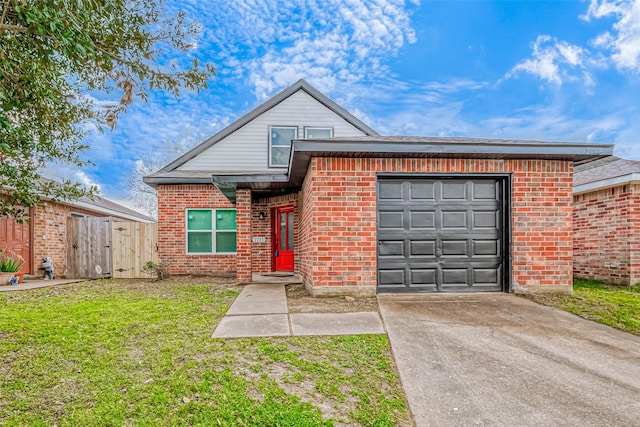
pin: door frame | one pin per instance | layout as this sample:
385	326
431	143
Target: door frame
506	183
275	216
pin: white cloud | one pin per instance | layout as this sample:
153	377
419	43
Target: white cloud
554	62
85	180
557	61
273	43
63	173
624	39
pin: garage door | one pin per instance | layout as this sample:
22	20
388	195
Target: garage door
440	234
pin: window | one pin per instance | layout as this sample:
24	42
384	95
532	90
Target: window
280	138
312	133
211	231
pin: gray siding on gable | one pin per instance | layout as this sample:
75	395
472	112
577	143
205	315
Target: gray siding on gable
247	148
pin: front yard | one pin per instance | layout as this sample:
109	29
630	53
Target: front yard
140	353
616	306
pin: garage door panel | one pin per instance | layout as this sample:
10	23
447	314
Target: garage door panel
456	248
454	190
486	276
390	190
455	276
391	219
422	219
422	248
486	247
454	219
485	190
393	248
394	278
422	190
440	234
485	219
425	276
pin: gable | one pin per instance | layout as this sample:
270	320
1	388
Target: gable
247	148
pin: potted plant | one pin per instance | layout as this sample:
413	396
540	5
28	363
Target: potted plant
10	264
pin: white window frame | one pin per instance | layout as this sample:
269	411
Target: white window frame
307	128
213	231
271	165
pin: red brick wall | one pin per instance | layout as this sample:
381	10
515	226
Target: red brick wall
244	235
339	217
606	238
173	200
50	236
306	251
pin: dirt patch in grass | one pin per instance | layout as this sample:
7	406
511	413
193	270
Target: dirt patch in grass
299	301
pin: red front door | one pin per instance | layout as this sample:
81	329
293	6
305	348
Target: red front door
283	238
17	237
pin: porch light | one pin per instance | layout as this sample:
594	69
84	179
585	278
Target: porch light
261	216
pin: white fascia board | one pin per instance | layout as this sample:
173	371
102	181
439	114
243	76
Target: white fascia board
632	178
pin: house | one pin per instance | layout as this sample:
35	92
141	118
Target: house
45	235
300	184
606	220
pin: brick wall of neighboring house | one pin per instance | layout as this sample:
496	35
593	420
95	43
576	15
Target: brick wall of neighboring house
338	218
50	235
173	201
606	235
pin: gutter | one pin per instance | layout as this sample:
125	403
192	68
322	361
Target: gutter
632	178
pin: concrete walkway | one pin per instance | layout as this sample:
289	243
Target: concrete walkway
497	359
261	311
35	284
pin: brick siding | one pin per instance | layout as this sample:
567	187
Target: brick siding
606	235
338	217
335	221
173	201
244	235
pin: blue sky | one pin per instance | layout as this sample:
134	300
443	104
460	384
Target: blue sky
547	70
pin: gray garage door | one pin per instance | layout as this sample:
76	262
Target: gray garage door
440	234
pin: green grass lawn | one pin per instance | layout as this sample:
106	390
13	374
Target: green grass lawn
140	353
617	306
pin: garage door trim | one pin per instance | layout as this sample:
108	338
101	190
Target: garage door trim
504	182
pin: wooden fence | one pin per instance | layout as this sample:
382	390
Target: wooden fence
107	247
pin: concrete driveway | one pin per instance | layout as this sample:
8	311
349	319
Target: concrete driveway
497	359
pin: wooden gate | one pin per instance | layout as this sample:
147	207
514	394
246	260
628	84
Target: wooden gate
133	245
106	247
89	247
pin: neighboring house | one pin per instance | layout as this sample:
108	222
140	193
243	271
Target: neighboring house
299	184
46	232
606	221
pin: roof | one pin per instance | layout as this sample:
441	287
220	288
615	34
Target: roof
261	109
104	206
405	146
607	172
109	208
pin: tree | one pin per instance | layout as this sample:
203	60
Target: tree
53	53
144	196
